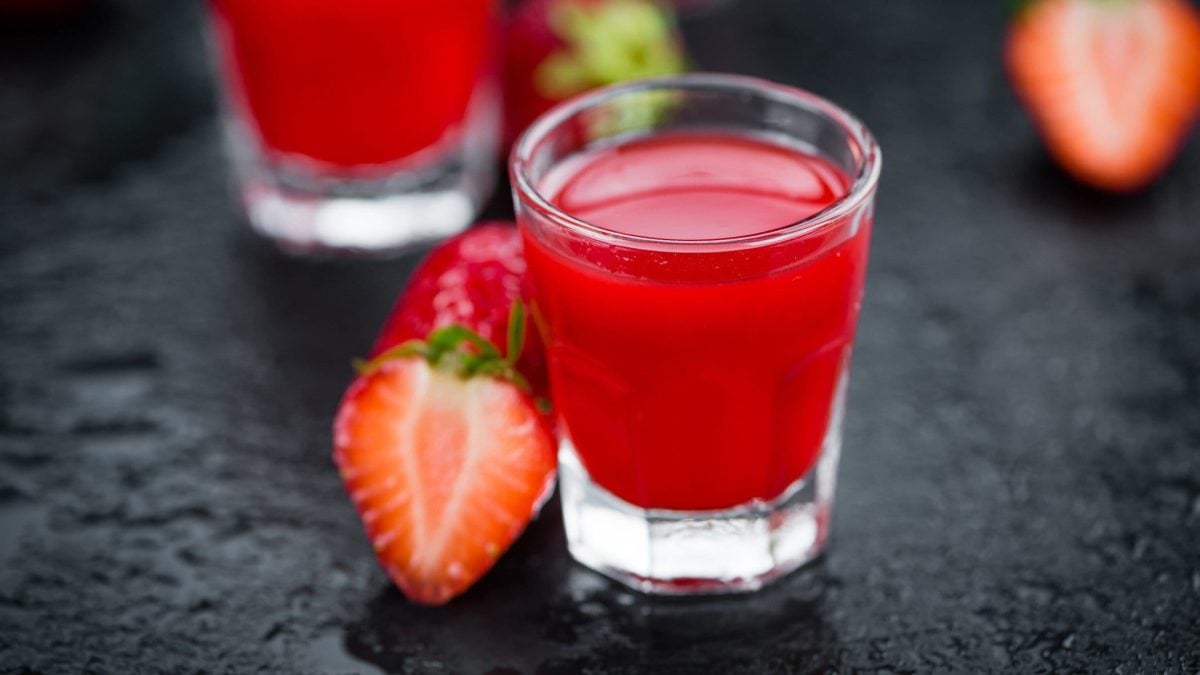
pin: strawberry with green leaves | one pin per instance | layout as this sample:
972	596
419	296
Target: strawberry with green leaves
1113	85
445	455
556	49
472	280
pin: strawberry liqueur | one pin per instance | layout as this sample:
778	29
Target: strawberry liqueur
341	88
698	388
698	284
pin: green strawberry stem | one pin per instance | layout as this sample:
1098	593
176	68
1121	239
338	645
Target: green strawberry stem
463	352
608	42
516	331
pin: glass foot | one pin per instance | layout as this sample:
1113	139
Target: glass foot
668	552
354	219
306	209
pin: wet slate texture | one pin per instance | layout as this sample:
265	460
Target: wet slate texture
1020	490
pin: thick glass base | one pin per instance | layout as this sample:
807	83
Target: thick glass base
696	552
309	210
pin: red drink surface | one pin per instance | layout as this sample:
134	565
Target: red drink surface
700	378
353	82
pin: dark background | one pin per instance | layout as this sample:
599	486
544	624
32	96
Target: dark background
1020	489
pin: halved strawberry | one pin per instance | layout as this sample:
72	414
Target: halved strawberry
1113	85
471	280
445	456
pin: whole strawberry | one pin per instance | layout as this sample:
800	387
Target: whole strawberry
558	48
1113	85
472	280
445	456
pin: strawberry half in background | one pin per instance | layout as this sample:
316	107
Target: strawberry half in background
1112	85
472	280
556	49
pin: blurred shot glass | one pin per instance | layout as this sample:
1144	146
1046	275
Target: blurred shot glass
358	127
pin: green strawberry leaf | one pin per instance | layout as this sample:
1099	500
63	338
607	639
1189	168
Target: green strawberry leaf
516	331
462	351
453	337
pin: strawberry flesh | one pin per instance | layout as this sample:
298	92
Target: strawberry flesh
445	472
1113	85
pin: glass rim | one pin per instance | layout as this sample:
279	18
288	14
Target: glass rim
867	157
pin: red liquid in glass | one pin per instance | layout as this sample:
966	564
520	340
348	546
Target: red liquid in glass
353	82
701	379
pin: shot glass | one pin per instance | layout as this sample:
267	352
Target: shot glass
358	126
698	247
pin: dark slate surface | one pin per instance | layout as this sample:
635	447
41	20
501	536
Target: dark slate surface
1020	489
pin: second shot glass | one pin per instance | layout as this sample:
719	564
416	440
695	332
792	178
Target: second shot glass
358	126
